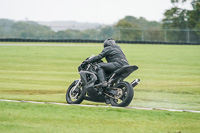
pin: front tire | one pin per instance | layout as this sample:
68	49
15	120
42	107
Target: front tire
75	95
126	97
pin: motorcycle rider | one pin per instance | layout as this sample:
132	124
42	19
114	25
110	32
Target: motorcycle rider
115	60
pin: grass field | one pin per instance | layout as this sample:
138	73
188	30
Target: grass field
170	75
170	78
36	118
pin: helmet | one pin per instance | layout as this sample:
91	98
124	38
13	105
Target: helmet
109	42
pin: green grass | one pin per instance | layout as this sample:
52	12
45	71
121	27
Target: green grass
45	118
170	74
170	78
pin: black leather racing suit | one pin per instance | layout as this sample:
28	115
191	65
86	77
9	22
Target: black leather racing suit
115	60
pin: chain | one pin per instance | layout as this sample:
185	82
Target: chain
109	95
116	96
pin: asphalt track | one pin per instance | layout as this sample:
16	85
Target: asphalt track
64	104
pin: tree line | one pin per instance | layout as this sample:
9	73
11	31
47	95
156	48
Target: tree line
178	25
125	29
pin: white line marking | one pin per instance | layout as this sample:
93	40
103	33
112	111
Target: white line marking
142	108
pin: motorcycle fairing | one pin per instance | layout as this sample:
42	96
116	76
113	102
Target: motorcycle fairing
88	83
92	95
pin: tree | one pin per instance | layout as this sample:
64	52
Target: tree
183	22
105	32
90	34
127	31
175	18
30	30
132	28
5	27
194	18
68	34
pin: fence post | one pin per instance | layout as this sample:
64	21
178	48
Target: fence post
50	33
188	32
4	27
165	35
96	33
119	35
188	35
142	35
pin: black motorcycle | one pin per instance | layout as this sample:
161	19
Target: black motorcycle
118	92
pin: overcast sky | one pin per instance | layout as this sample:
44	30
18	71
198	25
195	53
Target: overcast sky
95	11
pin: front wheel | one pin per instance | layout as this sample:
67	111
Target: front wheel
124	96
75	93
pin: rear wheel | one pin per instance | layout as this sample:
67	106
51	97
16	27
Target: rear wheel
124	96
75	93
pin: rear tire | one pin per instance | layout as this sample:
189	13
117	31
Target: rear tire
75	95
127	95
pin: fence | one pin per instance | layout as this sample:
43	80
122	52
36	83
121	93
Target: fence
158	35
101	33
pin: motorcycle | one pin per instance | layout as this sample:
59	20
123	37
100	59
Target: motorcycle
118	92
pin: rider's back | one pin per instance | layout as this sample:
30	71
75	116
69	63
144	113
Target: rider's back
115	54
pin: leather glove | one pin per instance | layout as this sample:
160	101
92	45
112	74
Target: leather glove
84	63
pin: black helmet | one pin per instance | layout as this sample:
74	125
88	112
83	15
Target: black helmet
109	42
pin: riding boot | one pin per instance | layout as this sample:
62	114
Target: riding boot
102	78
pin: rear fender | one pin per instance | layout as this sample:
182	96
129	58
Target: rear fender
122	73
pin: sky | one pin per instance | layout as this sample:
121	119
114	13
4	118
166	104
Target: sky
92	11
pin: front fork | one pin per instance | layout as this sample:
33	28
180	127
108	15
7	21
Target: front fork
74	92
76	84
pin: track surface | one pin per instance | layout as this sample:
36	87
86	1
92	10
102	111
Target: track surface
193	111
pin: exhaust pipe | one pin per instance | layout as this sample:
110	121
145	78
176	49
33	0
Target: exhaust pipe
135	82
